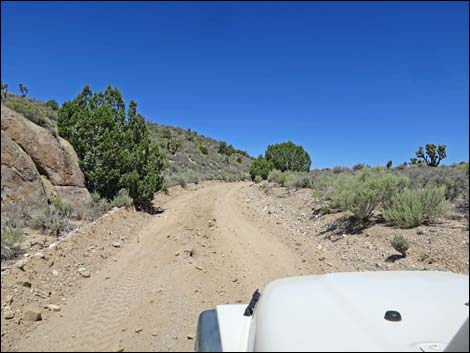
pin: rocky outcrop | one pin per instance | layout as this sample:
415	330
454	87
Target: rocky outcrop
37	165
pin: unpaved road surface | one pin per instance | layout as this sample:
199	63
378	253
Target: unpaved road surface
208	247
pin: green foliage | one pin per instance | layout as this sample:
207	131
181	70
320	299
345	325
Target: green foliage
225	149
10	239
297	180
98	205
63	208
433	155
258	179
122	199
454	179
291	179
410	208
243	153
464	166
29	112
203	149
114	150
260	166
389	164
52	104
33	110
358	166
401	167
55	218
166	133
339	169
173	146
281	179
288	156
400	244
365	192
239	160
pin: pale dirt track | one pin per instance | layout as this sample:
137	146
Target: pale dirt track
151	287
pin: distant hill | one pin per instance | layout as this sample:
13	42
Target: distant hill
191	157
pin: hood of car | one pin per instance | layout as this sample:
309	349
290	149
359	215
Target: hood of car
367	311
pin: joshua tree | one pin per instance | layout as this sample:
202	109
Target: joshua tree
4	89
23	89
432	157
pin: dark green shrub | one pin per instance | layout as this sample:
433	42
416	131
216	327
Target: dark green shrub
243	153
288	156
203	149
52	104
239	160
260	166
400	244
113	147
358	166
225	149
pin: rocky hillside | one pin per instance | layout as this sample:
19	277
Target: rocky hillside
35	166
192	157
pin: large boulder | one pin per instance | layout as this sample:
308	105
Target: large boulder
37	165
22	190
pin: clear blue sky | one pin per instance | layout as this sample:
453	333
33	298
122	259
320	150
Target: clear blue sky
350	82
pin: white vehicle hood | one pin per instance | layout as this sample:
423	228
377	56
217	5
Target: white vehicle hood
345	312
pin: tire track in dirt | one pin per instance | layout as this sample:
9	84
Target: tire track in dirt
157	285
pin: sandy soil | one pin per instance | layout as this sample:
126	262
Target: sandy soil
214	243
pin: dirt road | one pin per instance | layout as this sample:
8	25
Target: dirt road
208	247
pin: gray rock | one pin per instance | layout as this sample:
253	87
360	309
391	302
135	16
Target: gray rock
20	264
8	299
116	244
9	314
84	272
24	281
32	313
53	307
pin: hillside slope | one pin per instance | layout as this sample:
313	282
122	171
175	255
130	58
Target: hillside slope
192	157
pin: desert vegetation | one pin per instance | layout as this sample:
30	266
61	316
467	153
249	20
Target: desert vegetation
405	196
114	148
197	157
39	112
